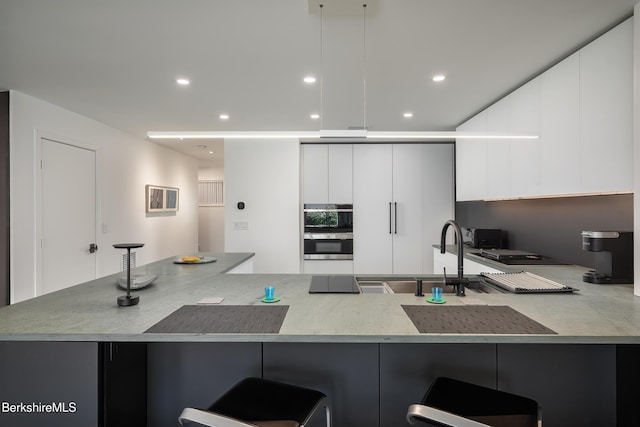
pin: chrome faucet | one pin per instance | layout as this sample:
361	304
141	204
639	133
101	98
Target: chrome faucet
460	281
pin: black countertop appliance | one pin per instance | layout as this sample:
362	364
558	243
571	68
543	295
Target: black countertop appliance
614	256
484	238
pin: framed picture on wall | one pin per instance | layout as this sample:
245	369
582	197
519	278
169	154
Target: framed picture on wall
161	199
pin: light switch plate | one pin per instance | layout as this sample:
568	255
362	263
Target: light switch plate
241	225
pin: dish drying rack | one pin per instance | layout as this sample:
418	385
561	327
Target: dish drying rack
523	282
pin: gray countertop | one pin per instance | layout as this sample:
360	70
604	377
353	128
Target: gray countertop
88	312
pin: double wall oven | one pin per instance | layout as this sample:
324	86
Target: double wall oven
328	231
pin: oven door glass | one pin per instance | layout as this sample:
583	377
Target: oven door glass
320	220
328	218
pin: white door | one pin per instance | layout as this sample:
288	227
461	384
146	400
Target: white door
68	216
372	209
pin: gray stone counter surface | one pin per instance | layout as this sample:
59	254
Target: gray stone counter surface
88	312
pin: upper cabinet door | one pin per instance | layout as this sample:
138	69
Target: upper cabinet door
560	128
315	173
498	152
327	173
524	161
340	173
606	111
471	161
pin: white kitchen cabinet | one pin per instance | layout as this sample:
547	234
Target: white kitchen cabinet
403	195
560	128
499	168
523	168
408	191
471	161
315	173
606	111
372	208
327	173
582	110
340	173
498	152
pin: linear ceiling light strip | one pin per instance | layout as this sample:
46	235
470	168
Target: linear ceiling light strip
352	133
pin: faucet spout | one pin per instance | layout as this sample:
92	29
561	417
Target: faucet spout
459	282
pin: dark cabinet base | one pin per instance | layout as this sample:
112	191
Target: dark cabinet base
114	384
123	384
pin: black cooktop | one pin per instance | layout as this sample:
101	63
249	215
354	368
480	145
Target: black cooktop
515	257
333	285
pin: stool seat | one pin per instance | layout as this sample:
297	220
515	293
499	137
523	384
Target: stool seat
451	402
256	402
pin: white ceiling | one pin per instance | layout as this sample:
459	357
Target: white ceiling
116	61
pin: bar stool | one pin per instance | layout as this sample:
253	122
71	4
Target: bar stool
450	402
263	403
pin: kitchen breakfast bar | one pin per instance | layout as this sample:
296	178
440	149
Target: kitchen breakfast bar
74	357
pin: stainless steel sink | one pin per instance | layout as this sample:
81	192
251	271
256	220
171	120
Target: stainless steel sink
405	285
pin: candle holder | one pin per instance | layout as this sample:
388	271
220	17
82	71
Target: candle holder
127	300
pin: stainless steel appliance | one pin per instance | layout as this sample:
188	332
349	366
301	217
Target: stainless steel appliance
328	231
484	238
614	256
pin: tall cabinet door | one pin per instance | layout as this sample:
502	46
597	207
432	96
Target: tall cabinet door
372	208
423	191
437	199
408	190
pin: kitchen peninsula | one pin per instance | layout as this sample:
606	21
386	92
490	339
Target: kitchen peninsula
360	349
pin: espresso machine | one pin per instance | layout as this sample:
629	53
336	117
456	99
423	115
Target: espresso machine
614	256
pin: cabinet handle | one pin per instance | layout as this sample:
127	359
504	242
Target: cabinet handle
390	219
395	217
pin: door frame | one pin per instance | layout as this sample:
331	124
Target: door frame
39	135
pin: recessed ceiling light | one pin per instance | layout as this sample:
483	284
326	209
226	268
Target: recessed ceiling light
211	152
315	116
439	77
224	116
183	82
407	115
309	79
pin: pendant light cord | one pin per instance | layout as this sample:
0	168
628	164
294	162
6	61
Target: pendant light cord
364	66
321	70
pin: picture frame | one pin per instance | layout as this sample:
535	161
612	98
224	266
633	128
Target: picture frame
161	199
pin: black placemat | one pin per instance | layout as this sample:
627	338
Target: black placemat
472	319
223	319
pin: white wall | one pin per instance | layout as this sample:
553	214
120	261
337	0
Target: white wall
211	218
265	175
127	164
